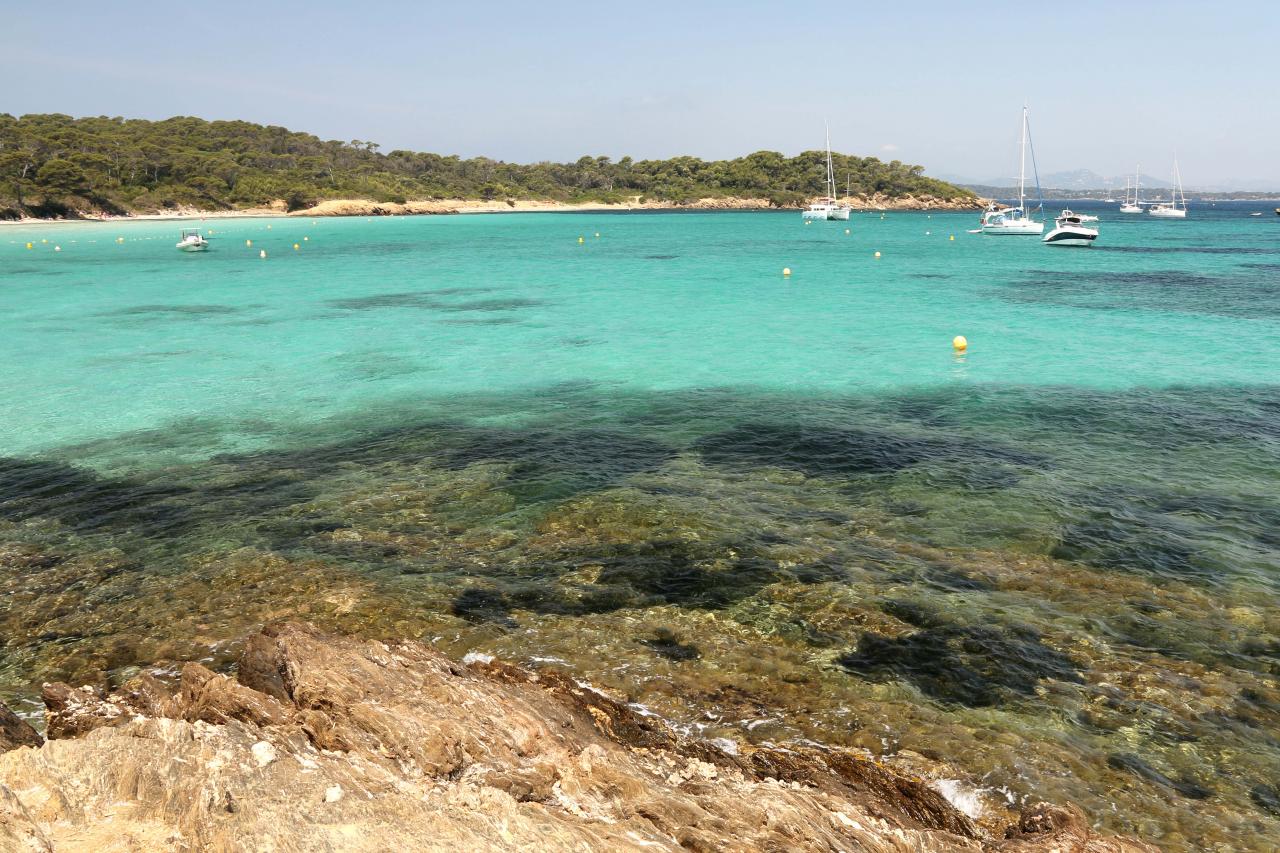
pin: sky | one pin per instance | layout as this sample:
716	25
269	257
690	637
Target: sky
1109	84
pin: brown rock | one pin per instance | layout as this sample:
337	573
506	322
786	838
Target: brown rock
15	731
335	743
1046	828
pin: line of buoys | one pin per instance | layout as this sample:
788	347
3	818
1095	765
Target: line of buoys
959	343
786	271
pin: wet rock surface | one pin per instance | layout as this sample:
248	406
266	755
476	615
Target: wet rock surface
329	742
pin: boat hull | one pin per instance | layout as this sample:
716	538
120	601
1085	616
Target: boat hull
1016	229
1167	213
1071	235
1130	208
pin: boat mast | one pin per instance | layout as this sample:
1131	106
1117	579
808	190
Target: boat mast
831	175
1178	176
1022	163
1137	182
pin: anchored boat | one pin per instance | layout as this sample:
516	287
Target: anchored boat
1071	230
827	207
1133	205
1016	220
192	241
1172	210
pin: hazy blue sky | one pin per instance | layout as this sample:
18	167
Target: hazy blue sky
938	84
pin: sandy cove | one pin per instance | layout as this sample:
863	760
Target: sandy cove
368	207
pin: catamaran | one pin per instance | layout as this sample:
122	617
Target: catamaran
1016	220
827	207
1134	206
1171	210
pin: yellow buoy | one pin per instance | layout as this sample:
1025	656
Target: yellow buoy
786	270
121	239
248	242
960	343
29	246
262	253
580	240
296	247
953	238
877	254
44	241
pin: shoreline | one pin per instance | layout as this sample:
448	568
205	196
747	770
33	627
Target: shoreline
446	207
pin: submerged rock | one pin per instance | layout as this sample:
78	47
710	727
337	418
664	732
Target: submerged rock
327	742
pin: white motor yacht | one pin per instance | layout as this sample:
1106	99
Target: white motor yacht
192	241
1070	230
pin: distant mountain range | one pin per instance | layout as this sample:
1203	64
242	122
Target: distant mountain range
1080	180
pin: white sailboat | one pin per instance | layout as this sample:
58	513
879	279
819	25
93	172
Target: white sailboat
1172	210
1015	220
827	207
1134	206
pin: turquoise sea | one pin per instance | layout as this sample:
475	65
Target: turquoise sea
766	507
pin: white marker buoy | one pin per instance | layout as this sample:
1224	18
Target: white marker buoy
262	253
786	271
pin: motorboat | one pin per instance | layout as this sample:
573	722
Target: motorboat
1070	230
1171	210
1015	220
828	206
192	241
1133	205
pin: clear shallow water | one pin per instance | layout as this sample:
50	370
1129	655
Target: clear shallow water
771	508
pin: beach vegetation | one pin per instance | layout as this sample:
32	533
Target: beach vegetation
52	164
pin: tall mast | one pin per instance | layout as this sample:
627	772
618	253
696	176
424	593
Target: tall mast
1022	163
1137	182
831	175
1178	175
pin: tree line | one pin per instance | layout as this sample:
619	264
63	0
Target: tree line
55	165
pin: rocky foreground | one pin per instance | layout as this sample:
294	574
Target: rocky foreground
333	743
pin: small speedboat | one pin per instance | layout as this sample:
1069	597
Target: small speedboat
192	241
1259	213
1070	230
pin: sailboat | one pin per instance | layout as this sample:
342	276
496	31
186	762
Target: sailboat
1134	206
827	206
1015	220
1171	210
